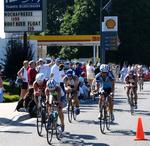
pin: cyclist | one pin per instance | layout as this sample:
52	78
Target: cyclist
52	88
140	75
105	85
39	87
71	84
131	80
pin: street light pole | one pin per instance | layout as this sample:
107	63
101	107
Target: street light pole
102	49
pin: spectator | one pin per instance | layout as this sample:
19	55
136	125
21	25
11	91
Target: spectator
1	90
55	73
23	74
31	73
90	72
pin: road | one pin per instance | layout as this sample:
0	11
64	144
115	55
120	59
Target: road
85	131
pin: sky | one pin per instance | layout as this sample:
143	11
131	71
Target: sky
2	34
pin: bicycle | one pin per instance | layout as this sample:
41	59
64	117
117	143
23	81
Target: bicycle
105	116
131	98
52	126
41	115
71	108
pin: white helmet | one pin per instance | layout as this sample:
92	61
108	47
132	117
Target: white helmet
40	77
51	84
103	68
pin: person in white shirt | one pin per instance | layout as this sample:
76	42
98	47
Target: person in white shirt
55	73
44	68
22	73
90	72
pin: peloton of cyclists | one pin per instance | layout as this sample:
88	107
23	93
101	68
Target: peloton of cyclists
105	84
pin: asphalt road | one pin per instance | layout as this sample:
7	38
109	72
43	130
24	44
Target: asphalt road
86	131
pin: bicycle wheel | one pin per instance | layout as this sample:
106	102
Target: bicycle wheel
39	122
70	111
49	134
108	119
58	132
102	119
73	113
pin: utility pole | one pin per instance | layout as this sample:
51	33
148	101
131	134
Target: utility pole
25	40
102	49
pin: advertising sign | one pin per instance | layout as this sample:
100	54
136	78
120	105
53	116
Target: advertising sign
110	33
110	23
23	15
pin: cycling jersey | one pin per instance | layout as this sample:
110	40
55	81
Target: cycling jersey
105	83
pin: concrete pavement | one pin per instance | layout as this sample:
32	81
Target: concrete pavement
8	115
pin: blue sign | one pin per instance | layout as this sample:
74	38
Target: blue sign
22	5
109	40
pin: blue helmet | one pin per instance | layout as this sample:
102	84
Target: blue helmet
51	84
104	68
69	72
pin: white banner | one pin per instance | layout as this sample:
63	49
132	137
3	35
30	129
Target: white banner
19	21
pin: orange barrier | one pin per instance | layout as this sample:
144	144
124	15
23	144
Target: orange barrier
140	132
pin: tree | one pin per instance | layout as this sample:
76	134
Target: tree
82	18
134	22
55	13
14	57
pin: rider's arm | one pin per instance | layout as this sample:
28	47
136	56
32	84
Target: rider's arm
36	89
76	83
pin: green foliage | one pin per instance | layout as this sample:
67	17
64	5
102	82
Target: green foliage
134	21
55	12
82	17
14	57
68	52
11	93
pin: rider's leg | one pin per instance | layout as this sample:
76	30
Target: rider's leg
136	96
61	117
76	100
127	92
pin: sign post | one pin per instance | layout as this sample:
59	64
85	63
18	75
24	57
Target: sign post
109	39
24	16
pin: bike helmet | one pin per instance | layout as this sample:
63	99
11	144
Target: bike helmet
103	68
51	84
69	72
39	77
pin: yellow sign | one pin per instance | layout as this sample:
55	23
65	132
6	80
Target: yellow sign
66	38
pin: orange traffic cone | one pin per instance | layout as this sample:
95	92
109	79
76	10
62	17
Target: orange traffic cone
140	132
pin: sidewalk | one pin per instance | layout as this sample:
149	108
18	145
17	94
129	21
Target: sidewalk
8	114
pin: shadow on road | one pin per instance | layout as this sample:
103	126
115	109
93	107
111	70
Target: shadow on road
89	122
122	132
16	132
80	140
18	122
